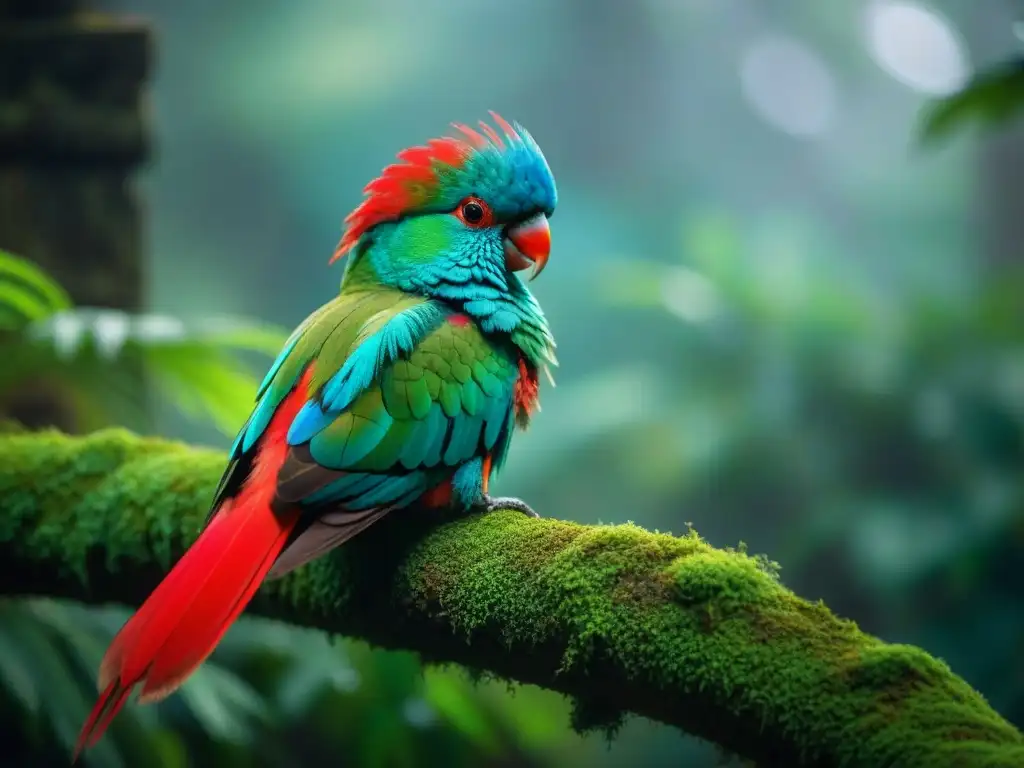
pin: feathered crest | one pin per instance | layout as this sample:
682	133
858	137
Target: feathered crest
414	181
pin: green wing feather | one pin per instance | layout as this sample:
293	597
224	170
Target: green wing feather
423	415
448	403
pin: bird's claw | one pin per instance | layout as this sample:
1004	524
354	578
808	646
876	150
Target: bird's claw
497	503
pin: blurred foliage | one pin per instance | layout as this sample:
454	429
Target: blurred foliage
271	695
102	357
991	98
871	440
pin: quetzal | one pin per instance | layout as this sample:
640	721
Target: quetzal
406	387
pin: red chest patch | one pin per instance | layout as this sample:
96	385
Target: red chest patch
526	392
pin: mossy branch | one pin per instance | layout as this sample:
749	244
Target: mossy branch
621	619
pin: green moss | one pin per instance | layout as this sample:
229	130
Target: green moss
596	715
726	581
110	487
620	619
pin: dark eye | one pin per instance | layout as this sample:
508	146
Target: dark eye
474	212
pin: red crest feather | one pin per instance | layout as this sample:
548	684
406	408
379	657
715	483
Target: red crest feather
412	181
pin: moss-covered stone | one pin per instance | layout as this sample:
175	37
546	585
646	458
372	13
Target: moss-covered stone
618	618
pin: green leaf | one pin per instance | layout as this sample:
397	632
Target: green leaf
536	716
18	306
99	390
202	374
27	290
454	701
76	626
63	701
15	673
244	335
199	370
49	651
222	703
203	381
991	98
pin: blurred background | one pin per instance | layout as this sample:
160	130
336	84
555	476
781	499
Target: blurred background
786	313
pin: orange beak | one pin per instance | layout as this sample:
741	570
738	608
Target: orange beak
528	244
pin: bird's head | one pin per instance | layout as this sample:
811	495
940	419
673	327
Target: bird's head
455	218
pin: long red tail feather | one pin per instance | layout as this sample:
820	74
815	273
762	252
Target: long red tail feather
181	623
185	617
110	702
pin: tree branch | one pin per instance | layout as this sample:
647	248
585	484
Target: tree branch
621	619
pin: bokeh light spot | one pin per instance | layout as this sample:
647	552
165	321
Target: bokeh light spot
917	47
789	86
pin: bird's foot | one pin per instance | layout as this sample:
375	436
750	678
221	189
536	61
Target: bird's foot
498	503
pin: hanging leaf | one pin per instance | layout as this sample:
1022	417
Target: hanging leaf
203	380
454	699
27	290
991	98
100	356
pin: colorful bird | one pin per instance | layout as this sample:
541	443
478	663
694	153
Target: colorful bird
404	388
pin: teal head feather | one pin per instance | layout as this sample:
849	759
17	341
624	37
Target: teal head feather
455	220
